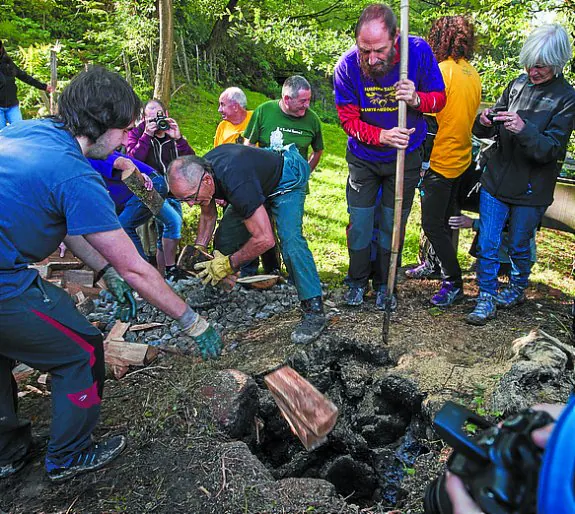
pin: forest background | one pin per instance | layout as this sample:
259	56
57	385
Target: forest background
187	51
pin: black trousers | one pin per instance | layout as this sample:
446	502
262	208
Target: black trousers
438	203
365	180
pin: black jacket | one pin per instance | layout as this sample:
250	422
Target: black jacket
9	72
524	168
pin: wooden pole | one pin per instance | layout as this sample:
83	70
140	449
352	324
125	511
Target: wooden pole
54	76
399	170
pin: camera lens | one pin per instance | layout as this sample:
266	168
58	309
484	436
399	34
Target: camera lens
163	124
436	500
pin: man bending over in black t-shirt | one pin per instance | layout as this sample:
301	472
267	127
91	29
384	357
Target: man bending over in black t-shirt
249	179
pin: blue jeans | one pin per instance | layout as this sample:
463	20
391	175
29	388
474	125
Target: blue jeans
135	213
9	115
523	220
163	229
286	204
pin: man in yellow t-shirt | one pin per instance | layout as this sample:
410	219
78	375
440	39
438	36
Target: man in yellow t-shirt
233	108
451	38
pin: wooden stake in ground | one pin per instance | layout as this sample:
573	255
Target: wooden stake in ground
151	199
400	165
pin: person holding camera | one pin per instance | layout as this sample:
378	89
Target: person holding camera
459	497
533	120
157	141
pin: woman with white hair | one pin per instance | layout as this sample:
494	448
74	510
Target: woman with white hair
532	122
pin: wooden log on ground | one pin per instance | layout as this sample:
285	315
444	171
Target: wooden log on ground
135	182
118	331
310	414
122	353
78	276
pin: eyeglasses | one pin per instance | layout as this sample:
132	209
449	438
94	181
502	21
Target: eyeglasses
194	197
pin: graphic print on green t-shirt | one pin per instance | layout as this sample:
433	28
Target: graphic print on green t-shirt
271	127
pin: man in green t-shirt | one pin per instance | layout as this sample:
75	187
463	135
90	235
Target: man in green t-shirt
276	124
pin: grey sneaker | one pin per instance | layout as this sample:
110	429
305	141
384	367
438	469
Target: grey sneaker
91	459
510	297
485	310
381	297
13	467
354	295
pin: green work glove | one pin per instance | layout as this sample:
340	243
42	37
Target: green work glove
215	270
127	307
204	335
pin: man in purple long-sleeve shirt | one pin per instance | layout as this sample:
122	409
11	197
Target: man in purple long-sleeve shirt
158	148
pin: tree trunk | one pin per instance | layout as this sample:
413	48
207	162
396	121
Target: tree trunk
165	53
220	28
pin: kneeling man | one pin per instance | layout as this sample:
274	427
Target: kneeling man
249	179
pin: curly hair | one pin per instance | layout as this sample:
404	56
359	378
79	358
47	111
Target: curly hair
452	36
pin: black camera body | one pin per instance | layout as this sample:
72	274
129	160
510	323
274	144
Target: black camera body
491	115
499	466
162	121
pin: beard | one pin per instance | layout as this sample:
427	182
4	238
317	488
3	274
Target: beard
381	68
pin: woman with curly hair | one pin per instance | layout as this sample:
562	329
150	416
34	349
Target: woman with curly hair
9	109
451	38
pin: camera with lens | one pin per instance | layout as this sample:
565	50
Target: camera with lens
499	465
162	121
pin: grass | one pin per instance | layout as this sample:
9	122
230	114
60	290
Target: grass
326	208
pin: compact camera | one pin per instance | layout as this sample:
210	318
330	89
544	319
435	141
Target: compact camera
499	465
491	115
162	121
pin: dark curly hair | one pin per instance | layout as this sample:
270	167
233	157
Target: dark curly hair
452	36
97	100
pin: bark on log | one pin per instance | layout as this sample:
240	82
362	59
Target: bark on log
151	199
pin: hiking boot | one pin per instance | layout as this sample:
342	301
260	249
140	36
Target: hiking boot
424	271
381	298
13	467
485	310
94	457
354	295
173	274
510	297
447	295
312	323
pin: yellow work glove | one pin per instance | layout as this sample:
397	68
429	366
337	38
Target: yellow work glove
215	270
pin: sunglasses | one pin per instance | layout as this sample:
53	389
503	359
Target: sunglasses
194	197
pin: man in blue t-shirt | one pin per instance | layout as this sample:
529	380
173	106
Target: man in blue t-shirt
367	91
49	192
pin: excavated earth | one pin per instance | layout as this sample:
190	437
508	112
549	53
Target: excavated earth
383	451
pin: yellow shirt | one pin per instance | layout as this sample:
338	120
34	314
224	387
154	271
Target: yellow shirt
451	154
229	133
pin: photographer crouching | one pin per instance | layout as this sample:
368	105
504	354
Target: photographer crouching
157	141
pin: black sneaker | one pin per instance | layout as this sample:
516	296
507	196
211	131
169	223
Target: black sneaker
13	467
91	459
312	324
173	274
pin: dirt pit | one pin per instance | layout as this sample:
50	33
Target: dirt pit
377	436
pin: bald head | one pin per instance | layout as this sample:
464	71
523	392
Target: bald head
191	180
